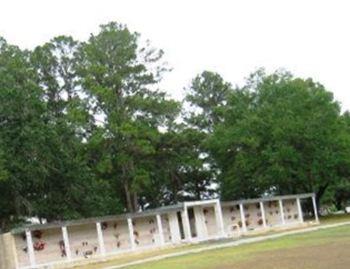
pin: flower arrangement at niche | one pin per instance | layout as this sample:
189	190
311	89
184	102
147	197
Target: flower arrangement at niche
39	245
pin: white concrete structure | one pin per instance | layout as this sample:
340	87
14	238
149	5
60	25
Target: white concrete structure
38	246
160	230
131	233
66	242
100	238
30	248
282	211
263	216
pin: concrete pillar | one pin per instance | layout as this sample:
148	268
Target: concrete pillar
315	208
263	216
66	242
219	219
160	229
282	212
244	226
30	248
300	211
186	224
174	227
131	234
100	238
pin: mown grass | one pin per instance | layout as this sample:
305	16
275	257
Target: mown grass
228	257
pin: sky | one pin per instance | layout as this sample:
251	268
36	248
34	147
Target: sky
231	37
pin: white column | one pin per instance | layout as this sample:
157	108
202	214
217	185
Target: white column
263	216
300	211
131	234
244	226
219	218
315	208
66	242
30	248
186	224
160	230
174	227
281	210
100	238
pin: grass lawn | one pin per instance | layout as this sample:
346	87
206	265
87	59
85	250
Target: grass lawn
327	249
322	249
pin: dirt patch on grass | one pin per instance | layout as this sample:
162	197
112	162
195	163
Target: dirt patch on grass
328	256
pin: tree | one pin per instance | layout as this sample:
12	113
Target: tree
120	78
206	95
180	171
204	98
69	187
280	135
20	134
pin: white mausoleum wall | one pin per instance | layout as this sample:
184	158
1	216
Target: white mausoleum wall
166	228
51	238
116	235
210	221
253	216
232	220
290	208
145	231
273	214
21	250
174	227
83	241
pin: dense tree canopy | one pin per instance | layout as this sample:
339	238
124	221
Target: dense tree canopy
281	135
86	131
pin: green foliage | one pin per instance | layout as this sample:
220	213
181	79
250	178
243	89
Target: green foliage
118	76
281	135
85	131
206	95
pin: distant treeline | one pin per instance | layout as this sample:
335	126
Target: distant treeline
85	131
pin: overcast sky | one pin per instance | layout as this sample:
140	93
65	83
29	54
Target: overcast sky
308	38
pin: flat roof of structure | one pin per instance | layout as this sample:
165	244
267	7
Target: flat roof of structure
268	198
58	224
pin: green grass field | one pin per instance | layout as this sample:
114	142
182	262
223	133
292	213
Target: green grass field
323	249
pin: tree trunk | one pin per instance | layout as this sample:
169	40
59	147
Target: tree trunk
174	186
319	195
135	202
2	225
129	203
